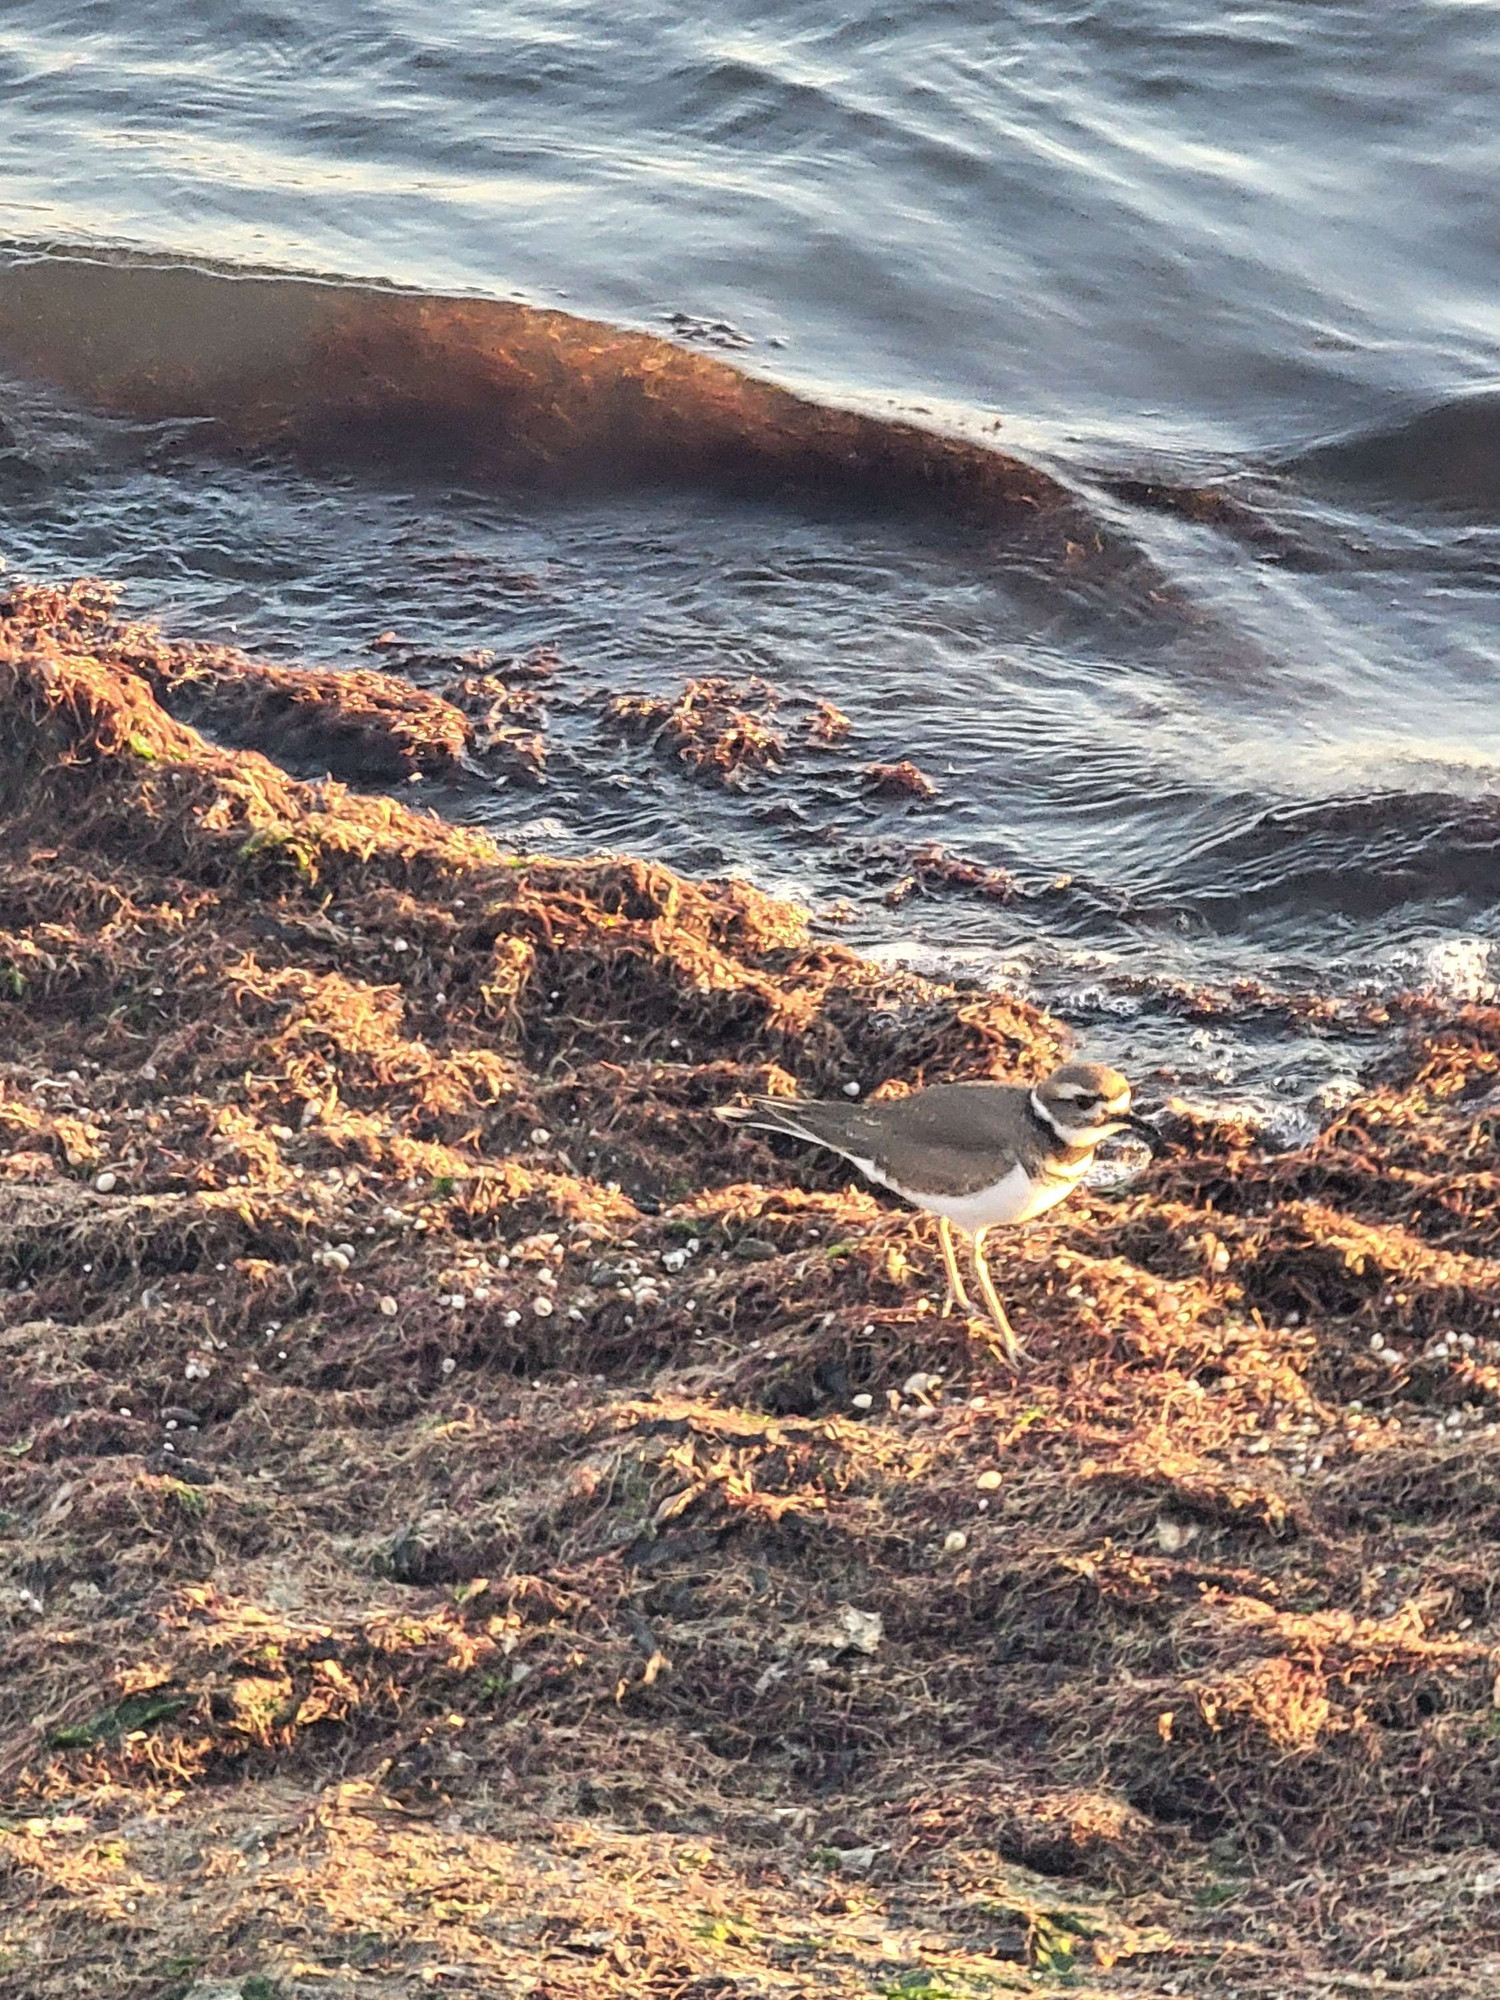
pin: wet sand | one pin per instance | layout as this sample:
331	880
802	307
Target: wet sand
464	1507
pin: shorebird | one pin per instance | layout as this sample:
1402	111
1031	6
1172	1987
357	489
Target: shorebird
975	1155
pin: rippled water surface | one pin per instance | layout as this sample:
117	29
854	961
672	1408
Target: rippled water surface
1158	248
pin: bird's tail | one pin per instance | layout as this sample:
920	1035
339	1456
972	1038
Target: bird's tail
809	1119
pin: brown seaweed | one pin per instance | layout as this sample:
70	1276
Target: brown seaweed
503	393
462	1507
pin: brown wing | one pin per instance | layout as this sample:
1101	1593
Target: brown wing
938	1141
946	1139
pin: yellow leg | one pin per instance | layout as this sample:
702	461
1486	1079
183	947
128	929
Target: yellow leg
957	1296
1014	1351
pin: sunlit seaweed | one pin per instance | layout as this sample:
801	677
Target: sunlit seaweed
463	1506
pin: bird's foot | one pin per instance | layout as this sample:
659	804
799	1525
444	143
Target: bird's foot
1000	1342
1013	1352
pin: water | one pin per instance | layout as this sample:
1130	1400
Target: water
1168	248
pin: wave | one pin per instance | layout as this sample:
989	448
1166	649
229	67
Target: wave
1359	858
491	391
1447	454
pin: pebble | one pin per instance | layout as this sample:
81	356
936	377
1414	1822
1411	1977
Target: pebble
1174	1535
449	1364
989	1482
921	1384
863	1402
512	1318
851	1090
955	1542
106	1183
388	1307
542	1306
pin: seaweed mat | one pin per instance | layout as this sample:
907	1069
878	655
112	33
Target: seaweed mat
470	1522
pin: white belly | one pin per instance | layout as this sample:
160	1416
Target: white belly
1015	1198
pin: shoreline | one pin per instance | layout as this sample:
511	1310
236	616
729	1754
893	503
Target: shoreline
599	1586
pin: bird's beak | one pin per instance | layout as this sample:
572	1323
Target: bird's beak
1147	1131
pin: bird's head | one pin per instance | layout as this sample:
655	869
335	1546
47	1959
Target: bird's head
1084	1102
